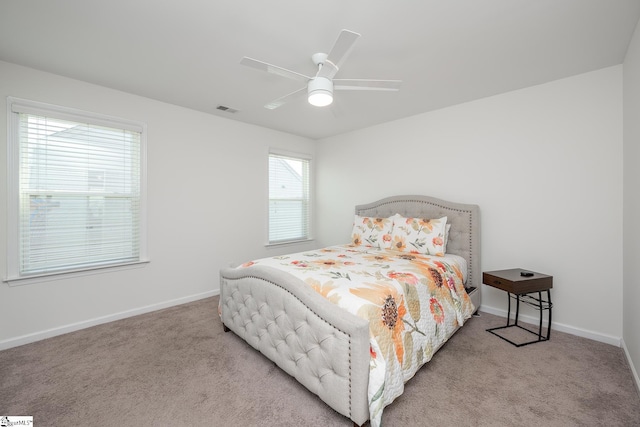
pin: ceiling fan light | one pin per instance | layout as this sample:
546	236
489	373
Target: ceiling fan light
320	92
320	98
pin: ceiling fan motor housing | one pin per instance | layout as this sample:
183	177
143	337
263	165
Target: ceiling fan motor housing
320	91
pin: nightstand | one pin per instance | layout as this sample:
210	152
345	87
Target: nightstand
523	288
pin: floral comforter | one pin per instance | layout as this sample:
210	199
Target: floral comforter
413	302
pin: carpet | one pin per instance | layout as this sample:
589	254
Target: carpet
177	367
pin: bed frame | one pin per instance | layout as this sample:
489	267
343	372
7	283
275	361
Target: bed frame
322	346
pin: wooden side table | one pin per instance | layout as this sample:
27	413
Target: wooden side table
522	287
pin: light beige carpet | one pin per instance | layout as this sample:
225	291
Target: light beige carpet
177	367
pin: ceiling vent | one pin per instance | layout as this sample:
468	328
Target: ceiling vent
226	109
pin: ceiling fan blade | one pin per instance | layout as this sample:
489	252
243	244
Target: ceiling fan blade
273	69
338	53
366	84
284	99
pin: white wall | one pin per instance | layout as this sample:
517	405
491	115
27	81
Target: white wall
545	166
207	203
631	291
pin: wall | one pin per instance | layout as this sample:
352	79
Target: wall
543	163
207	208
631	291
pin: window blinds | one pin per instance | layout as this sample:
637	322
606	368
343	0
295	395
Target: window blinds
289	199
79	194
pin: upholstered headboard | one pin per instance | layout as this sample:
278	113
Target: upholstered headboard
464	236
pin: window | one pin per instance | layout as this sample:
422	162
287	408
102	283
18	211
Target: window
76	190
289	198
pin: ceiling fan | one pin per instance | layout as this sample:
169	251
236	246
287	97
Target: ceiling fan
319	88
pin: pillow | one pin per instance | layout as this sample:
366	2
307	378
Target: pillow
446	237
372	232
421	235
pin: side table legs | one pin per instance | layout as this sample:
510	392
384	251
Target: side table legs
537	302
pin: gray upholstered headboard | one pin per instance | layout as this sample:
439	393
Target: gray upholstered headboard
464	236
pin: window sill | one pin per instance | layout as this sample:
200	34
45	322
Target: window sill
46	277
288	243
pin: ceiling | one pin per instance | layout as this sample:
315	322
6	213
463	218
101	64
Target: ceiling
188	52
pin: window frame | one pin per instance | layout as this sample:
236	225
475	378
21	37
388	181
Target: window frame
14	276
310	186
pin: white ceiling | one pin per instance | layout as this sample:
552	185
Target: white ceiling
188	52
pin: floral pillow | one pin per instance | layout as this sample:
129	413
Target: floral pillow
421	235
372	232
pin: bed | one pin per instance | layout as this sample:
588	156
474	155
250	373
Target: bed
289	316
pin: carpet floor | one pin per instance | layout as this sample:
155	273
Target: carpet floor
177	367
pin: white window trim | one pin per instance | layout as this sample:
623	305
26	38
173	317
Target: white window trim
13	205
310	237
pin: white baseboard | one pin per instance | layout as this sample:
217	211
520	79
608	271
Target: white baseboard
37	336
607	339
631	365
49	333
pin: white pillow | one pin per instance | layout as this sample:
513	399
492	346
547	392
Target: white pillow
421	235
372	232
446	236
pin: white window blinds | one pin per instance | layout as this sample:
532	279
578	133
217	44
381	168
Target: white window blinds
79	193
289	198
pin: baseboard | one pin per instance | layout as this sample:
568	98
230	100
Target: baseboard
49	333
631	365
607	339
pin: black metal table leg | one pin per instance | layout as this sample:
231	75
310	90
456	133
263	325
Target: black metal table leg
550	307
540	304
540	308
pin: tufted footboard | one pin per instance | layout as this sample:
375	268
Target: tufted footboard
322	346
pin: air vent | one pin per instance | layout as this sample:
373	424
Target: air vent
226	109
